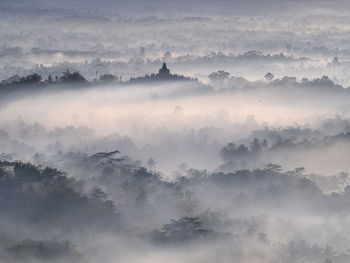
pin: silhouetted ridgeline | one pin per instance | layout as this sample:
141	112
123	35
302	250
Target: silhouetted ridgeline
36	81
33	83
16	83
221	80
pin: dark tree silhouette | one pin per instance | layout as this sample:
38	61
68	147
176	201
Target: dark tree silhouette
74	77
183	230
221	75
44	250
109	78
269	76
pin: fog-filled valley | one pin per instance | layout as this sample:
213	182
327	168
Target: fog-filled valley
174	131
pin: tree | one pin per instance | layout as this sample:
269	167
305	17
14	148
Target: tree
49	79
44	250
108	78
274	168
184	229
31	79
74	77
269	76
255	146
219	76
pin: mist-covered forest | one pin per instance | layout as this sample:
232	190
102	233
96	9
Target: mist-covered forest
174	131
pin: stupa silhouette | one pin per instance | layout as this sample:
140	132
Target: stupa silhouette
164	72
163	75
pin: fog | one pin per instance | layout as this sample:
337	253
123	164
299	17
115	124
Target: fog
236	149
299	38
